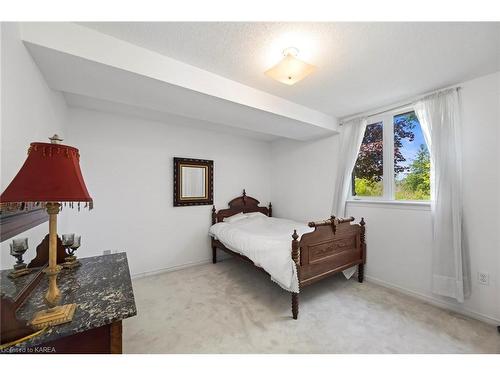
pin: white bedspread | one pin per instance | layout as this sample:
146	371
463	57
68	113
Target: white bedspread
267	241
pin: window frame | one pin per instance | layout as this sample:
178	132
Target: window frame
388	179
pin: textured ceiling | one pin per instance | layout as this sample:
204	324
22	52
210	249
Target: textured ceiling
360	65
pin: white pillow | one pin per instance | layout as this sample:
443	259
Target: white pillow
255	214
235	218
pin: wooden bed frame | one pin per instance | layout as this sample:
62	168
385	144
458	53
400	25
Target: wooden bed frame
334	246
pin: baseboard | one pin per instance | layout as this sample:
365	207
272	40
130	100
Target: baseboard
170	269
435	302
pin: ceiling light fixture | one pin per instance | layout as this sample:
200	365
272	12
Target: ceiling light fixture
290	69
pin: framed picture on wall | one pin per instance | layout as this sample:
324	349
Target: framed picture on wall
193	182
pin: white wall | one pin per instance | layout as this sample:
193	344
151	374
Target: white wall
399	237
127	164
30	111
302	176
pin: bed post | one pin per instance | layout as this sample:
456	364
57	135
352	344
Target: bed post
214	248
270	210
361	266
295	258
214	253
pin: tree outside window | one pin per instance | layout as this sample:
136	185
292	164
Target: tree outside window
411	161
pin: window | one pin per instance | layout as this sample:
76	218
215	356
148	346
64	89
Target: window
368	172
393	161
412	163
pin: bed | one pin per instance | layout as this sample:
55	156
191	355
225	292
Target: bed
293	254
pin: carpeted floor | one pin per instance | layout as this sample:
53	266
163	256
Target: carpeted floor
231	307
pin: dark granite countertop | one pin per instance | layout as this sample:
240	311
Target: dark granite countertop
12	287
101	288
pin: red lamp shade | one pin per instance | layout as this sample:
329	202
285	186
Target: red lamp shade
51	173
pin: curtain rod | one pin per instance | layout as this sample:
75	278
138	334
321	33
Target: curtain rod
399	106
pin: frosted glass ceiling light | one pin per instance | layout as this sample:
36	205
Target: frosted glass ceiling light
290	70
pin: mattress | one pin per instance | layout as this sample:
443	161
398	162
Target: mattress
267	241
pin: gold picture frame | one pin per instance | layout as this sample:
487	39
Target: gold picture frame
193	182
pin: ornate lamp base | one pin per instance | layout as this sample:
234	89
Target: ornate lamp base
54	316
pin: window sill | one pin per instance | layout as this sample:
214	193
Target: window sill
402	205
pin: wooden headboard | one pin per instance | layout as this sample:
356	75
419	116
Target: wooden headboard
243	203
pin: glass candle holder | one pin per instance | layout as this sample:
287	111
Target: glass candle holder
71	243
75	245
68	239
17	249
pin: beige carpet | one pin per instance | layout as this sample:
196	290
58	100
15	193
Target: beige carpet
231	307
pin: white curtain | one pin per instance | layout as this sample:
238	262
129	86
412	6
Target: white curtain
439	116
351	136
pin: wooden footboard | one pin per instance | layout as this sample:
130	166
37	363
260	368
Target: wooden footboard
334	246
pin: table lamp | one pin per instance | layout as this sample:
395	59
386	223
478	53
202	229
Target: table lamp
50	176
